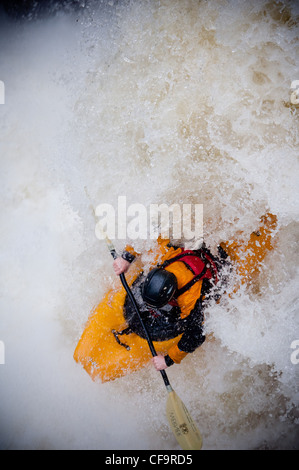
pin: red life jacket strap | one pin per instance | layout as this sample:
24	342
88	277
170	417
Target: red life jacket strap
201	268
213	266
189	284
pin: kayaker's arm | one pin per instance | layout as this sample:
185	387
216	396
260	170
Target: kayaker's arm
122	263
192	338
129	254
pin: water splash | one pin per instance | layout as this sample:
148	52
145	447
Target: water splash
169	101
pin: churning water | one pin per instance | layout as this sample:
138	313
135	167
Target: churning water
169	101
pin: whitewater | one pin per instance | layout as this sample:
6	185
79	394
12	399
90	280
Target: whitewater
169	101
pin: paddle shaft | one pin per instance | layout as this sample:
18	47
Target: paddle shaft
177	414
132	298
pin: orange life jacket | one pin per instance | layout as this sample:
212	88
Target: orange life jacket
199	263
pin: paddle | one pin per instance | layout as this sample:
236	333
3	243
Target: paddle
181	423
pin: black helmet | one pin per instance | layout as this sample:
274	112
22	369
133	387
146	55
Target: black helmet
159	287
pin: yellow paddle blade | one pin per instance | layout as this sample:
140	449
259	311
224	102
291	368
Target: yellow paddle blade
181	423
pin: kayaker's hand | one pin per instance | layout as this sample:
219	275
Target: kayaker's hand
159	362
120	266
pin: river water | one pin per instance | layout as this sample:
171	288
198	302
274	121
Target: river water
170	101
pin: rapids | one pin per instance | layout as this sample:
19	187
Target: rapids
169	101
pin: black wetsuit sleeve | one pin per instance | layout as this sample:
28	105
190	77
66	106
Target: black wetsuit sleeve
126	255
193	336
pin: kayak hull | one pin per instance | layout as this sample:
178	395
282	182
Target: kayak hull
99	353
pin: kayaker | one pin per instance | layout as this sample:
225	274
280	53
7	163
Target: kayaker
171	298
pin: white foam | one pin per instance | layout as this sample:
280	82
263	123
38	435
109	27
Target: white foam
174	101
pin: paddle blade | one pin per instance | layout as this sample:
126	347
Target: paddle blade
181	423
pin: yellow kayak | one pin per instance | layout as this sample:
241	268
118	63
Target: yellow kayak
105	359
